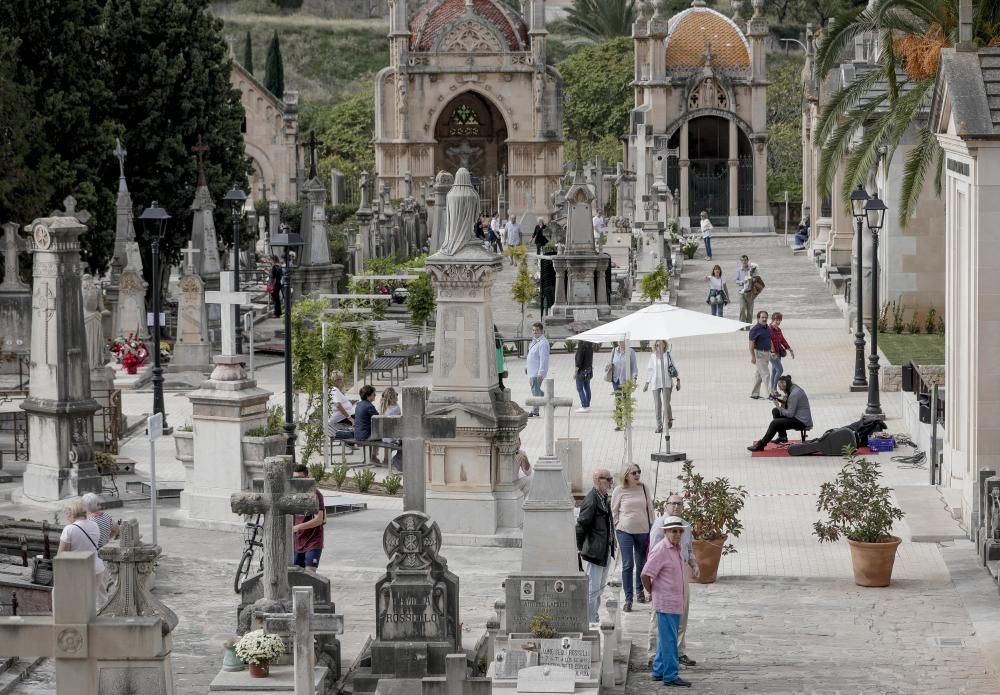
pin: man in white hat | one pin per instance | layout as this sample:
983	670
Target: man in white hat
663	577
673	507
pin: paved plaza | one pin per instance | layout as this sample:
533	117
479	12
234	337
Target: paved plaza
785	615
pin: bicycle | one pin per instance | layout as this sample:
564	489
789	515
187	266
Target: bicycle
252	532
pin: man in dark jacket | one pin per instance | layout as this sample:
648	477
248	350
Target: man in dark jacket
595	538
584	373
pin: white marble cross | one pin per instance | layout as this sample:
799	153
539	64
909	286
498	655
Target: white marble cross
188	252
303	624
460	336
74	636
228	299
549	403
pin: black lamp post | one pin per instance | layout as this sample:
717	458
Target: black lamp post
289	241
858	199
875	211
237	199
154	220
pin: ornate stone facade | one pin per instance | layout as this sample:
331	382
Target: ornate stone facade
467	86
699	126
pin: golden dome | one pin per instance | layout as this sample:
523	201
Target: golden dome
438	16
695	27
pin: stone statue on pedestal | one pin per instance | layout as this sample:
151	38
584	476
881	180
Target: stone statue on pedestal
463	207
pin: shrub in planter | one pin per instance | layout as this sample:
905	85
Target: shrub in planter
860	508
392	483
364	479
712	507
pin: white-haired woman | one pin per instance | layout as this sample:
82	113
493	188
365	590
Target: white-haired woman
82	534
109	530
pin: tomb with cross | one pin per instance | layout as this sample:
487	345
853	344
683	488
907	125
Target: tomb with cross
189	252
414	427
77	639
303	623
192	349
227	298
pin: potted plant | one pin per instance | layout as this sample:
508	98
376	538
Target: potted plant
258	650
264	441
712	507
860	508
184	442
130	352
652	285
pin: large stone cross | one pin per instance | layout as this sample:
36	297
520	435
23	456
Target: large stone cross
227	298
12	245
74	636
188	252
414	427
283	496
302	623
549	403
69	203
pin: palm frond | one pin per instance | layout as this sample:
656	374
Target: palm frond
839	37
917	163
836	147
602	19
864	157
843	100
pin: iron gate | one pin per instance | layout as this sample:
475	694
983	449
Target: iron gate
708	180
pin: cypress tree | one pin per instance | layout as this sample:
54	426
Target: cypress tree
274	71
248	54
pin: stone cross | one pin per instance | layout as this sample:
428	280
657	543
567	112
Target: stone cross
460	335
549	403
188	252
45	305
131	563
12	245
199	150
302	623
228	299
414	427
283	496
69	203
74	636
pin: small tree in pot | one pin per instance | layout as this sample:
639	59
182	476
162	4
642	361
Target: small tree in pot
712	507
860	508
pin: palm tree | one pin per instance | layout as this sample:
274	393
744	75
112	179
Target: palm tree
886	102
602	19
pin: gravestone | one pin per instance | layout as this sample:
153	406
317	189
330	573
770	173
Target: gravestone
59	404
416	603
303	623
207	264
192	350
129	564
315	271
78	640
131	316
472	491
15	295
413	427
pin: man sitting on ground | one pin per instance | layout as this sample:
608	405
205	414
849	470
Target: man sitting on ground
793	415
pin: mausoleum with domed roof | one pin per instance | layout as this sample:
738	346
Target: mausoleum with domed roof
699	126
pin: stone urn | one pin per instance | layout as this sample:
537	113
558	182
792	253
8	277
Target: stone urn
872	562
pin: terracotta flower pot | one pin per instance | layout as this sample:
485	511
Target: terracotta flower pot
872	562
260	670
708	554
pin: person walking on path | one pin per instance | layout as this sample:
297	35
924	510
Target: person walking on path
760	352
779	348
274	279
538	237
307	529
513	235
623	368
595	542
718	293
633	514
662	373
584	359
744	283
494	235
673	507
792	413
706	234
538	362
664	580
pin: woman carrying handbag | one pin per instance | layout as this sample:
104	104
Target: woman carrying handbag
632	513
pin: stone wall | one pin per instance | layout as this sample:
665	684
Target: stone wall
892	376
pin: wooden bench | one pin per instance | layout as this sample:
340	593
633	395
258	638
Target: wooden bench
386	367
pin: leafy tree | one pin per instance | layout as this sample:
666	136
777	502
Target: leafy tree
346	130
599	20
596	110
248	53
524	289
420	300
652	284
784	118
274	70
172	84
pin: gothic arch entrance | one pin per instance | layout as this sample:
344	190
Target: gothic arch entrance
471	133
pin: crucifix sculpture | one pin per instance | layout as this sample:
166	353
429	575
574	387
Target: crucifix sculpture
549	403
302	623
200	149
414	427
283	497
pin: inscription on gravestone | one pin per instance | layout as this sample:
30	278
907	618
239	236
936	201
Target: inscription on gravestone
564	599
574	654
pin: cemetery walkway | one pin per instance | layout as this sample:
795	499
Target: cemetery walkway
784	616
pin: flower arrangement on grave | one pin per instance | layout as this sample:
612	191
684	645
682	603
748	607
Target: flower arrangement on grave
258	648
130	352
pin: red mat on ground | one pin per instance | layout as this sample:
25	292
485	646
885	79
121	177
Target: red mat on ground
781	450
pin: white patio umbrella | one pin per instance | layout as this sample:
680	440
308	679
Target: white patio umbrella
658	322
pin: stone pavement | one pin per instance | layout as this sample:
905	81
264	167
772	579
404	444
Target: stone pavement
784	615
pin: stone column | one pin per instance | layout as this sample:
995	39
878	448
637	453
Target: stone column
206	264
59	405
685	220
734	175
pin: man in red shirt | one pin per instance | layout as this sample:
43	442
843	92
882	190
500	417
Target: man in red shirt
308	529
663	577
